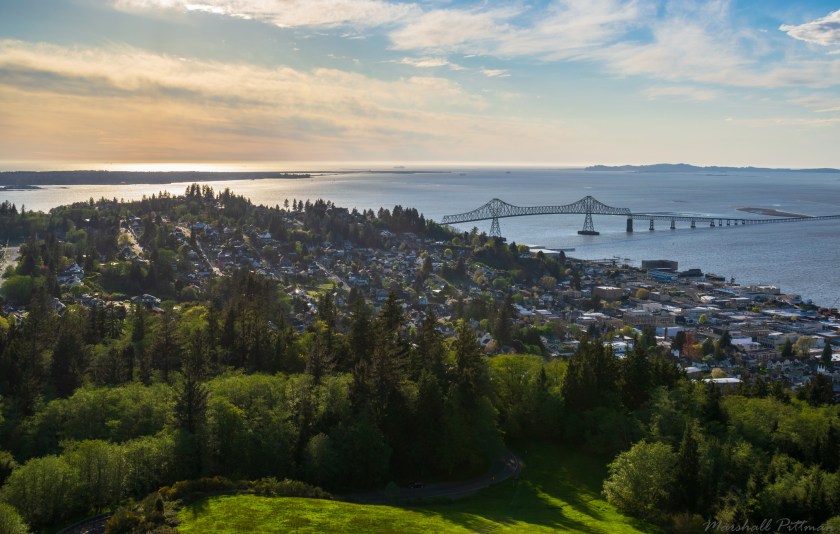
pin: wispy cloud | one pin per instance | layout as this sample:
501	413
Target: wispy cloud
560	31
430	62
495	73
680	92
824	31
785	122
127	103
290	13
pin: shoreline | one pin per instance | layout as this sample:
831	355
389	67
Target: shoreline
770	212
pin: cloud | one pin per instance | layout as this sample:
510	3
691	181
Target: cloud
289	13
429	62
824	31
495	73
680	92
122	103
558	32
784	122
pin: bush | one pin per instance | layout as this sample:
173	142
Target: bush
150	515
44	490
641	479
10	521
186	490
272	487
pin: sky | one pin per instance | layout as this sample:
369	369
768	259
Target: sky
552	82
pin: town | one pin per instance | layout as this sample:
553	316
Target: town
716	331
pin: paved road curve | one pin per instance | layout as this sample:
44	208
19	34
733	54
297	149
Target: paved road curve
506	467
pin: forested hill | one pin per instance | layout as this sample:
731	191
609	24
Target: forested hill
204	343
686	168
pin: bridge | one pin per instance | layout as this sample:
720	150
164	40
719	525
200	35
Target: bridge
497	209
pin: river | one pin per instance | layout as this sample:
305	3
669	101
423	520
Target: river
802	258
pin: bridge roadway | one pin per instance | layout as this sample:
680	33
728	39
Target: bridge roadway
497	209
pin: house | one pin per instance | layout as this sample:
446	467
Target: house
265	238
725	385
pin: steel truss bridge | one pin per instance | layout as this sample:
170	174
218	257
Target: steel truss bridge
497	209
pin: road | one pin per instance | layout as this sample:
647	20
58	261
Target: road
334	277
132	238
201	253
8	258
506	467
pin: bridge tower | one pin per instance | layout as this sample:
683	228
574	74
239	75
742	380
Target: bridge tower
495	230
588	228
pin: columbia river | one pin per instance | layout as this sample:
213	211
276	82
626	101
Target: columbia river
801	258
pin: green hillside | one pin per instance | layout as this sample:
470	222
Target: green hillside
559	491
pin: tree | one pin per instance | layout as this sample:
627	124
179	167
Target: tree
102	470
679	341
360	338
590	379
641	479
802	347
725	341
10	521
502	331
688	469
68	356
826	357
44	490
708	347
818	390
470	369
635	377
428	351
787	350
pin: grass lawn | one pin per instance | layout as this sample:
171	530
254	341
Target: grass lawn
559	491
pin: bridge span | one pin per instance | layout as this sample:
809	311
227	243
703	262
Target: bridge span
497	209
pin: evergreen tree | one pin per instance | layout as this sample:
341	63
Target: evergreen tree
470	368
590	379
787	350
826	357
679	341
635	377
502	330
165	351
68	362
428	352
688	470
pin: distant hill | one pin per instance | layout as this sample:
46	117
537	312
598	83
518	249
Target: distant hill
686	168
31	178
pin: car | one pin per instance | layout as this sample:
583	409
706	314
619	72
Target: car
416	485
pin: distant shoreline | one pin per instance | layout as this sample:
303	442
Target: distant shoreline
693	169
21	187
12	180
771	212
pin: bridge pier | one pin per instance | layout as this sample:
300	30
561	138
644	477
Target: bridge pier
673	224
651	225
693	225
712	224
629	225
720	222
727	222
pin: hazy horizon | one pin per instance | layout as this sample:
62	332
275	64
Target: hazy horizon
326	166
